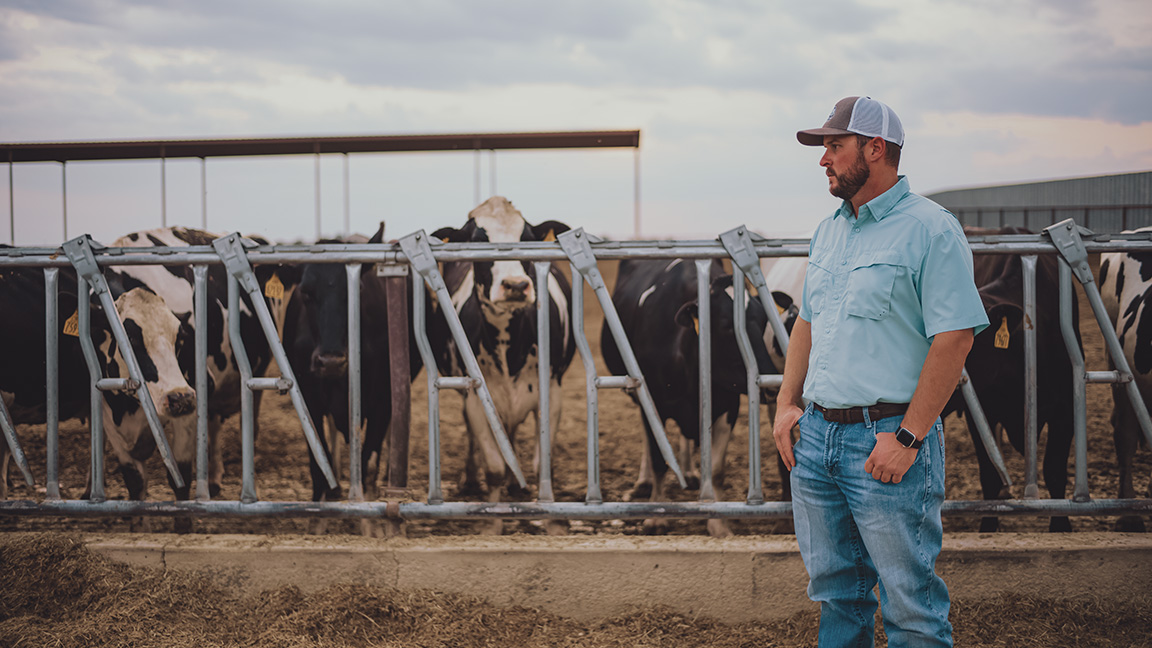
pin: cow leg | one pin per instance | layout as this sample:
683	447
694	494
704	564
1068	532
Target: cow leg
320	490
721	435
469	485
5	453
655	526
183	451
132	443
688	464
215	456
374	433
642	488
1125	435
1056	465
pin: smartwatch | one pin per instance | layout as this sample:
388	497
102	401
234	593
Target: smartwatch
907	439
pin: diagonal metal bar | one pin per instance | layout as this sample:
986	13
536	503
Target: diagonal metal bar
752	371
230	248
738	243
579	251
976	413
419	252
80	255
14	444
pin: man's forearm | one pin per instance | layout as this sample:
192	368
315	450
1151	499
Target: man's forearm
938	379
796	364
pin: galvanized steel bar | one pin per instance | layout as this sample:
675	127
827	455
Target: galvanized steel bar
247	417
579	251
355	445
752	370
544	365
1079	385
976	414
592	494
96	402
52	379
704	376
419	253
231	251
420	328
200	308
79	253
9	429
1028	264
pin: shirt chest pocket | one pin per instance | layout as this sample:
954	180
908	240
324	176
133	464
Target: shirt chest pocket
870	286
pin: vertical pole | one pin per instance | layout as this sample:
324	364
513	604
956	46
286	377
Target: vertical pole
317	165
492	171
476	179
636	193
11	202
347	199
592	494
1028	263
419	324
52	386
203	193
355	445
704	348
1079	385
163	189
96	404
400	369
64	195
247	422
200	311
544	365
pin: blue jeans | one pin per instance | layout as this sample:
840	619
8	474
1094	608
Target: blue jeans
853	530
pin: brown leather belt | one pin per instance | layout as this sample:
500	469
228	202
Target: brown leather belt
856	414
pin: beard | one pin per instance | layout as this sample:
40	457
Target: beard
850	181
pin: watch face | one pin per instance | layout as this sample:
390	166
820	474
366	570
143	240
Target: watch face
906	438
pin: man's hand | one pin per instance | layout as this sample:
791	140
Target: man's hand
786	417
889	459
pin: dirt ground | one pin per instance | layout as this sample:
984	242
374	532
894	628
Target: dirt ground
56	593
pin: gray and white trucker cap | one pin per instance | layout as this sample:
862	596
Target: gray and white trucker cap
857	116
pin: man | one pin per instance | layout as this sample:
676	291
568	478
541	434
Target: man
887	318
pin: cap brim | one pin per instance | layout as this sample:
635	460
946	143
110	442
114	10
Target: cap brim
815	136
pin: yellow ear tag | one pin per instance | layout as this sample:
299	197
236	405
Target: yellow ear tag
696	324
1001	341
274	289
72	325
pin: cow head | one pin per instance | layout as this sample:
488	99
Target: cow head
158	338
501	286
998	351
727	362
323	295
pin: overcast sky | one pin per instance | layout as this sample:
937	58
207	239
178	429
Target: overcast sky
990	92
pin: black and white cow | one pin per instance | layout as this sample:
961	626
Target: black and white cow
996	368
657	304
496	302
175	285
1126	288
316	339
157	338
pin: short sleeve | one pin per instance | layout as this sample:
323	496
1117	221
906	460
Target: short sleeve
806	308
948	293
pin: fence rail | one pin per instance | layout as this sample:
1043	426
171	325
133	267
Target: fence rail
1071	244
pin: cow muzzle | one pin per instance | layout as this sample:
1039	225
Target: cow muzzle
180	402
329	365
515	290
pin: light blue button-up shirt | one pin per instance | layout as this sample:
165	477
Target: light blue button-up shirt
878	288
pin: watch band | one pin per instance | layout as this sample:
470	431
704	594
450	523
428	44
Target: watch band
905	437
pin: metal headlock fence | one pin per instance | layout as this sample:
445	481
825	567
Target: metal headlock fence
412	265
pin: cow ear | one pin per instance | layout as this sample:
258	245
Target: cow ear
688	316
378	237
783	300
549	230
1003	322
723	282
449	235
